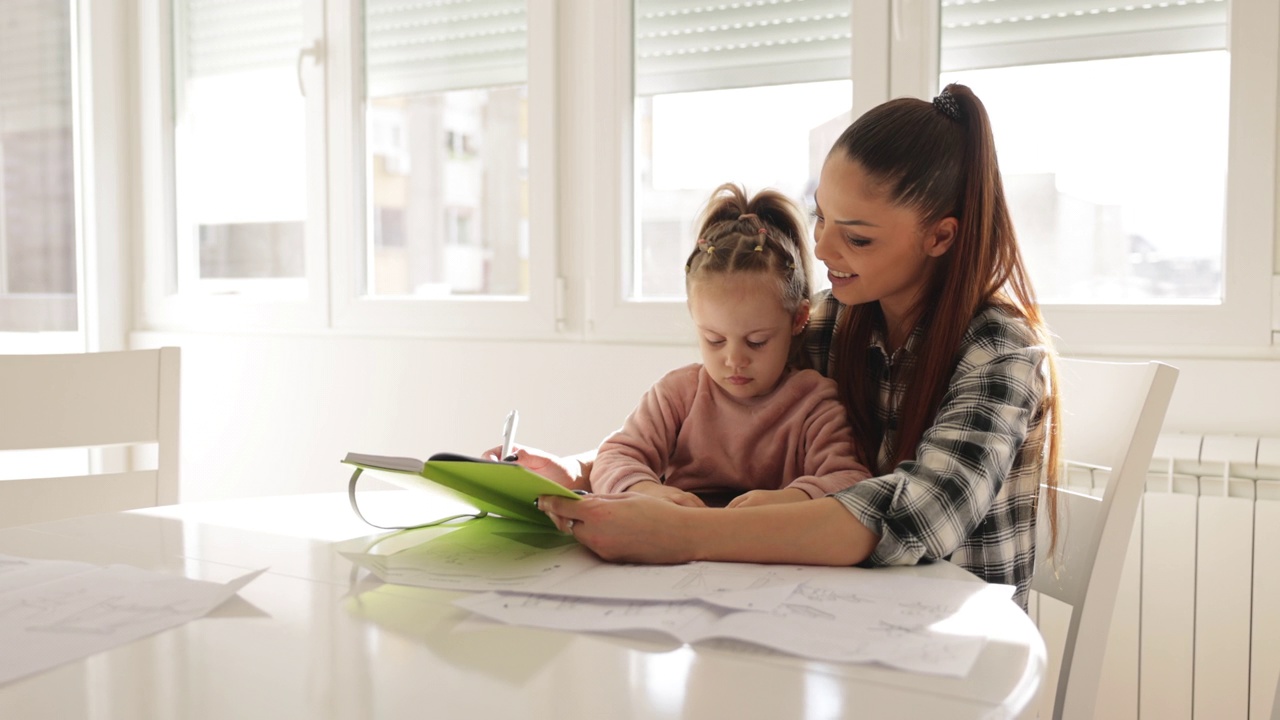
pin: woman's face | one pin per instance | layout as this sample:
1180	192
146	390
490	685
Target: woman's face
874	250
744	332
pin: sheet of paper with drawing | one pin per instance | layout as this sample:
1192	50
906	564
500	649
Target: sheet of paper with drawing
52	612
545	579
850	616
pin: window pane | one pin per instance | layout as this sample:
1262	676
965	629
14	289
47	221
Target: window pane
1115	181
446	149
689	143
752	93
240	139
37	180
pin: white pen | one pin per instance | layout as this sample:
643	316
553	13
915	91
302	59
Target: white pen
509	436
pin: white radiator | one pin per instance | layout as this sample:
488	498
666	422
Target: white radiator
1196	634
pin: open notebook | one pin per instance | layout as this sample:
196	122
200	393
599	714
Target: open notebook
489	486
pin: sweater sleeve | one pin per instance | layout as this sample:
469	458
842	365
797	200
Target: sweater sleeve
642	448
830	463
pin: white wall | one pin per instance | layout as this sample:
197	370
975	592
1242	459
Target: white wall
273	414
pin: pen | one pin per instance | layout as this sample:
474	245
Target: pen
509	436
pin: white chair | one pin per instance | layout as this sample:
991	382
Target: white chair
1112	413
84	401
1275	704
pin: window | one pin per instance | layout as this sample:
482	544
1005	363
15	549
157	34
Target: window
354	164
38	256
240	118
1094	156
1121	130
711	83
446	142
533	168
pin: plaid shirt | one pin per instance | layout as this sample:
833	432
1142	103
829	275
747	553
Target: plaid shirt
970	494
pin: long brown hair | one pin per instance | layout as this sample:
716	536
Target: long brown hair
764	233
939	159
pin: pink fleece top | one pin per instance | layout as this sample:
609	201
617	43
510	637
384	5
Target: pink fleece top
690	431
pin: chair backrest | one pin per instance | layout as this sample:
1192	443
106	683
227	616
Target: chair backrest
83	401
1275	704
1111	417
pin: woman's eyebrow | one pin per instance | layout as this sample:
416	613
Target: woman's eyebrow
858	223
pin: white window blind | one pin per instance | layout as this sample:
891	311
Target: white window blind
37	177
1000	33
684	46
218	37
439	45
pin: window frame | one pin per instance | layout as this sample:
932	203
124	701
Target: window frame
166	303
582	187
896	53
1244	319
335	234
535	316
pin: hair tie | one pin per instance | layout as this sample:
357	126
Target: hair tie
764	230
947	104
759	248
710	248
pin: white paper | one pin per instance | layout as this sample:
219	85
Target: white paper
53	612
841	615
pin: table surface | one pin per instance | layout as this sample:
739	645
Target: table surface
314	637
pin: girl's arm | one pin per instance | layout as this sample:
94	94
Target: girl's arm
635	528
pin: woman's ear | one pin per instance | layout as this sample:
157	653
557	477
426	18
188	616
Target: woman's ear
938	240
801	319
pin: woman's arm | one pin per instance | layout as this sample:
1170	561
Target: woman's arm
636	528
928	506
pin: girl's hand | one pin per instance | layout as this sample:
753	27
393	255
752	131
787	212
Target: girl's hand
565	472
666	492
626	527
768	497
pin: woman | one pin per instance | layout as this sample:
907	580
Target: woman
943	361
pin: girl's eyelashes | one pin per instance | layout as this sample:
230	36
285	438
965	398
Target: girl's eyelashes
756	345
857	241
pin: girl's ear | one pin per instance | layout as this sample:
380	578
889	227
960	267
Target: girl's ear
938	240
801	319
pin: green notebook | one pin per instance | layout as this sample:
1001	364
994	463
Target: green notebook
497	488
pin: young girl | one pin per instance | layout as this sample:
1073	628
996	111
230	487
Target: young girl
944	363
745	420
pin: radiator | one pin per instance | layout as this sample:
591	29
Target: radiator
1196	633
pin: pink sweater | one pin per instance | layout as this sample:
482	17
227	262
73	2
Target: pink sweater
688	430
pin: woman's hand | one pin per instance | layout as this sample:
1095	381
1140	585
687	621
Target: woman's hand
768	497
567	472
668	493
627	527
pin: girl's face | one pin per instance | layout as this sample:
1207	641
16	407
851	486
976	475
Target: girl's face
874	250
744	332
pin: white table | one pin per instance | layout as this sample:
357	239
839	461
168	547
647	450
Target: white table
315	638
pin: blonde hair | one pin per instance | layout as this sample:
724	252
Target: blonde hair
765	233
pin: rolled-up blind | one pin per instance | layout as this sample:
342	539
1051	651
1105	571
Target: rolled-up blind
35	65
214	37
998	33
437	45
688	45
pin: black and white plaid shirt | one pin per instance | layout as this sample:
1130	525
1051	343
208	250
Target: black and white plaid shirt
969	496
